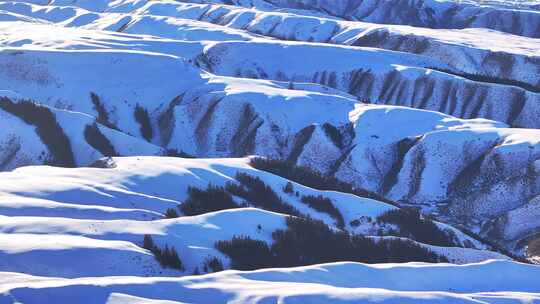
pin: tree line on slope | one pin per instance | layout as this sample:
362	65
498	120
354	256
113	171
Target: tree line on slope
411	224
167	257
307	241
255	192
311	178
47	128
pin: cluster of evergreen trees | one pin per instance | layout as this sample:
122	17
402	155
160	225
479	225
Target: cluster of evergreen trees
307	241
47	128
256	192
246	253
203	201
324	204
143	118
250	188
412	225
212	265
167	257
313	179
102	113
98	141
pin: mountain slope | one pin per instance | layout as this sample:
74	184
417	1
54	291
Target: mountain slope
187	109
255	151
132	204
339	283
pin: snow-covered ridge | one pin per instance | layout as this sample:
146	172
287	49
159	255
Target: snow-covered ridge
421	13
195	117
392	80
103	215
336	283
413	104
36	134
165	89
502	66
475	51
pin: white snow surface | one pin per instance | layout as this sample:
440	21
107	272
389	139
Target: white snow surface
423	95
102	215
486	282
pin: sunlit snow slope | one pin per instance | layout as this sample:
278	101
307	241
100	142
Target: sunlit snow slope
91	222
391	105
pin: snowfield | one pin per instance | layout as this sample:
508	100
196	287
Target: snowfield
151	149
336	283
112	209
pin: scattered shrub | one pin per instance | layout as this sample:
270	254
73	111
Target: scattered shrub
310	178
167	257
47	128
256	192
176	153
104	163
142	117
203	201
171	213
98	141
324	204
289	188
103	115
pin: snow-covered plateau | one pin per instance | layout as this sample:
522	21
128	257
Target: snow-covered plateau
269	151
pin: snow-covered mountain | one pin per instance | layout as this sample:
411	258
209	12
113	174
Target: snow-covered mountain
329	283
165	138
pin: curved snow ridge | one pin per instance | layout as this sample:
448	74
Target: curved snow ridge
455	255
155	184
193	238
75	256
473	50
15	205
415	156
443	83
375	76
144	188
40	75
420	13
339	283
464	173
114	247
35	134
